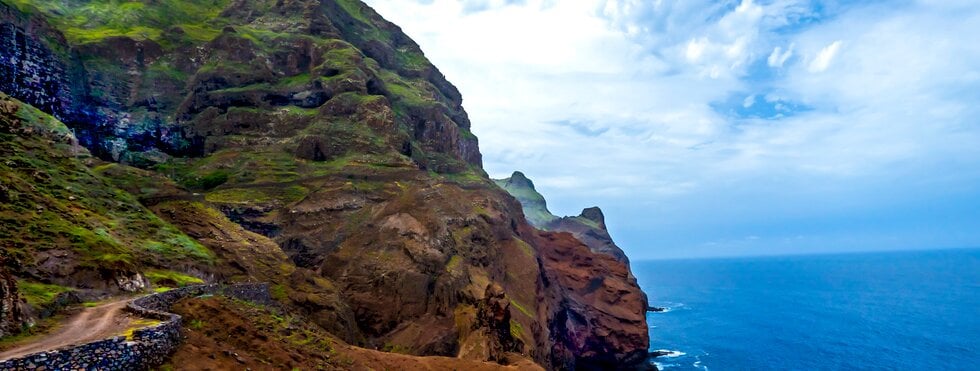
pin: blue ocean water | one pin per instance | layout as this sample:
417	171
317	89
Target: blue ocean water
876	311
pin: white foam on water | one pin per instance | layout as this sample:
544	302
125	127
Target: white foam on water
697	364
670	353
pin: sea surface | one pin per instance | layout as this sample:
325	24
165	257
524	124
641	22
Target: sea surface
864	311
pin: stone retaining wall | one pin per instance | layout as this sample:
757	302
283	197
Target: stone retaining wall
150	346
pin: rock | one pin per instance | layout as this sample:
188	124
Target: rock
599	311
589	227
12	316
494	319
533	203
132	283
318	148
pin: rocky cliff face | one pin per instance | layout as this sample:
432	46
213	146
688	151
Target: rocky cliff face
599	312
534	205
596	291
11	315
588	227
305	143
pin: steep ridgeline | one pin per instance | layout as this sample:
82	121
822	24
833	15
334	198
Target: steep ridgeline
588	227
305	143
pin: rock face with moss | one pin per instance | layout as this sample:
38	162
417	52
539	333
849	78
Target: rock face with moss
534	205
588	227
11	315
305	143
65	224
139	82
598	292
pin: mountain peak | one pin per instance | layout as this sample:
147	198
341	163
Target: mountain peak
594	214
518	179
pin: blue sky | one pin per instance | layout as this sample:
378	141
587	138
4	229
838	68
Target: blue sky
713	128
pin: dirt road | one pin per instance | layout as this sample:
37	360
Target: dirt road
88	325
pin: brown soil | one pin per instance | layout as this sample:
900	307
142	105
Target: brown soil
223	334
87	325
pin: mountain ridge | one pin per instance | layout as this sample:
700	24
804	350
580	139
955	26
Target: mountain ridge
308	144
588	227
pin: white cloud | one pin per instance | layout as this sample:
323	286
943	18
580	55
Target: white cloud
779	57
824	57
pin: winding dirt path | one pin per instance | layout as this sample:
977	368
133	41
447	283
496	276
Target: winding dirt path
88	325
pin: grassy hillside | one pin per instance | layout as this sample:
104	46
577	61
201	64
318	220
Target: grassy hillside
59	220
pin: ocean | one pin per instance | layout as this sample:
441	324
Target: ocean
915	310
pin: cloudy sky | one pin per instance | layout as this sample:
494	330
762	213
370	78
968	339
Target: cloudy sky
717	128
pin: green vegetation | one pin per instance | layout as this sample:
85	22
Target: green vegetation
93	21
516	330
469	177
285	328
396	348
279	293
233	167
38	294
589	222
368	29
30	334
213	179
520	307
533	203
525	248
170	278
453	263
411	59
179	244
284	195
356	9
53	201
408	92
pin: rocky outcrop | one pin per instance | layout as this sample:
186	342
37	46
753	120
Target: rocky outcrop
31	70
588	227
11	315
493	318
599	312
534	205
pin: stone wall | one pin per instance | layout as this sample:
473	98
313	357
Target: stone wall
149	347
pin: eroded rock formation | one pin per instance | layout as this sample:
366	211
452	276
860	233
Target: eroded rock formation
11	315
588	227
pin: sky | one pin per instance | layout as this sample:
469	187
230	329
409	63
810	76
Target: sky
726	128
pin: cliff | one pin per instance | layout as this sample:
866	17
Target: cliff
588	227
309	144
600	295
